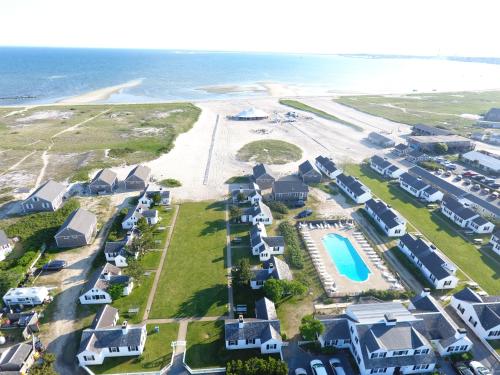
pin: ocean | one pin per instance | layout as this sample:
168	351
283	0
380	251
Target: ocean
45	75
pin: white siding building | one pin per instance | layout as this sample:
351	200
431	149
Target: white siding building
358	192
465	217
387	219
327	166
26	296
259	213
495	242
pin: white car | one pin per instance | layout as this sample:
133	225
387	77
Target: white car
300	371
336	366
318	368
478	368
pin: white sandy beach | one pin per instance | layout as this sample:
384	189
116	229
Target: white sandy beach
101	94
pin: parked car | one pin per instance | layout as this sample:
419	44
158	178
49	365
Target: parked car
478	368
469	174
467	181
458	178
318	368
462	368
439	171
476	187
489	181
495	186
54	265
494	195
336	366
447	174
304	213
300	371
451	167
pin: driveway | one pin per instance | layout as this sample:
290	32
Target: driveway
295	357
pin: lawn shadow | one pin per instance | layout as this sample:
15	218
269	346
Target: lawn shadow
213	227
216	206
202	301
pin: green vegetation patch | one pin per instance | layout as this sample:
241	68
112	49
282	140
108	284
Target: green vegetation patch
444	110
157	353
170	182
433	225
137	299
318	112
269	151
193	282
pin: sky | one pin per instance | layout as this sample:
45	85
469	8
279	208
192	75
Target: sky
420	27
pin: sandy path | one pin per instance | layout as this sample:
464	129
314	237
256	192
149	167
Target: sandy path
14	166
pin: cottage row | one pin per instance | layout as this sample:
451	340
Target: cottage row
106	180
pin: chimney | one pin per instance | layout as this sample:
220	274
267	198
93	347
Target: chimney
125	327
425	292
271	267
460	334
241	322
106	276
390	319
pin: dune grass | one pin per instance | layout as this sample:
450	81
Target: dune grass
193	282
318	112
482	269
269	151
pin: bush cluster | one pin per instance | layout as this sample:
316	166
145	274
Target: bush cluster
293	253
388	295
277	207
257	366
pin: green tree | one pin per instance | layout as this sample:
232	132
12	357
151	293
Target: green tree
244	272
45	367
273	289
310	328
135	270
257	366
294	288
156	199
142	225
141	244
241	197
235	213
441	148
116	291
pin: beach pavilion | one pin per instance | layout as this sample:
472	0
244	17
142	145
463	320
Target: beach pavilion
251	114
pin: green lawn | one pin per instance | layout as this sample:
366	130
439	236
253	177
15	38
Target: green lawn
157	353
318	112
160	236
206	348
241	231
270	151
193	281
137	299
436	228
438	109
151	260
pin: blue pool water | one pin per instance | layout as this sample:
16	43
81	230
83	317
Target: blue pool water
345	257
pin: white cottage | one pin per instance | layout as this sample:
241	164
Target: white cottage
358	192
495	242
387	219
96	290
327	166
263	245
259	213
464	217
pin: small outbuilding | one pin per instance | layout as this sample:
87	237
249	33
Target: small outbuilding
250	114
138	178
105	181
308	173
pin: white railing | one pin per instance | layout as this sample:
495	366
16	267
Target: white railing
202	370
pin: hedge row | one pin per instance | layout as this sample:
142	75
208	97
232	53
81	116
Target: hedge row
293	253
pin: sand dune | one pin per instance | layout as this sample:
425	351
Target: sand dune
101	94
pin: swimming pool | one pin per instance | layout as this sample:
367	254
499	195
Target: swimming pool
345	257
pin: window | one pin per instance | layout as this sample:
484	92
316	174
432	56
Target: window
88	358
232	343
250	341
464	348
378	355
356	339
378	371
133	348
271	346
114	349
399	353
420	367
494	333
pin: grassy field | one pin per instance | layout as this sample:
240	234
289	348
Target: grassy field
439	109
436	228
206	348
137	299
156	355
318	112
270	151
124	134
193	280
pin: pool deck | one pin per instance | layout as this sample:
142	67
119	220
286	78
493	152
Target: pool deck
344	284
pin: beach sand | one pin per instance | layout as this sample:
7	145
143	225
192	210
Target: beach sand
101	94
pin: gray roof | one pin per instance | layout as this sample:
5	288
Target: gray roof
150	213
431	129
98	281
257	209
4	240
468	295
377	137
283	187
437	181
430	190
381	162
413	181
370	312
307	167
430	258
15	357
424	304
274	241
401	147
488	314
49	191
493	115
335	329
114	246
480	221
416	153
353	184
327	163
79	220
105	175
265	309
260	170
386	214
141	172
458	208
104	318
252	329
280	271
96	340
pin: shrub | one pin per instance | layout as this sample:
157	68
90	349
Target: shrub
293	253
254	366
116	291
119	152
310	328
170	182
388	295
278	207
430	165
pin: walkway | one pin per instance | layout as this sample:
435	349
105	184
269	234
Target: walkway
229	265
160	268
210	151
